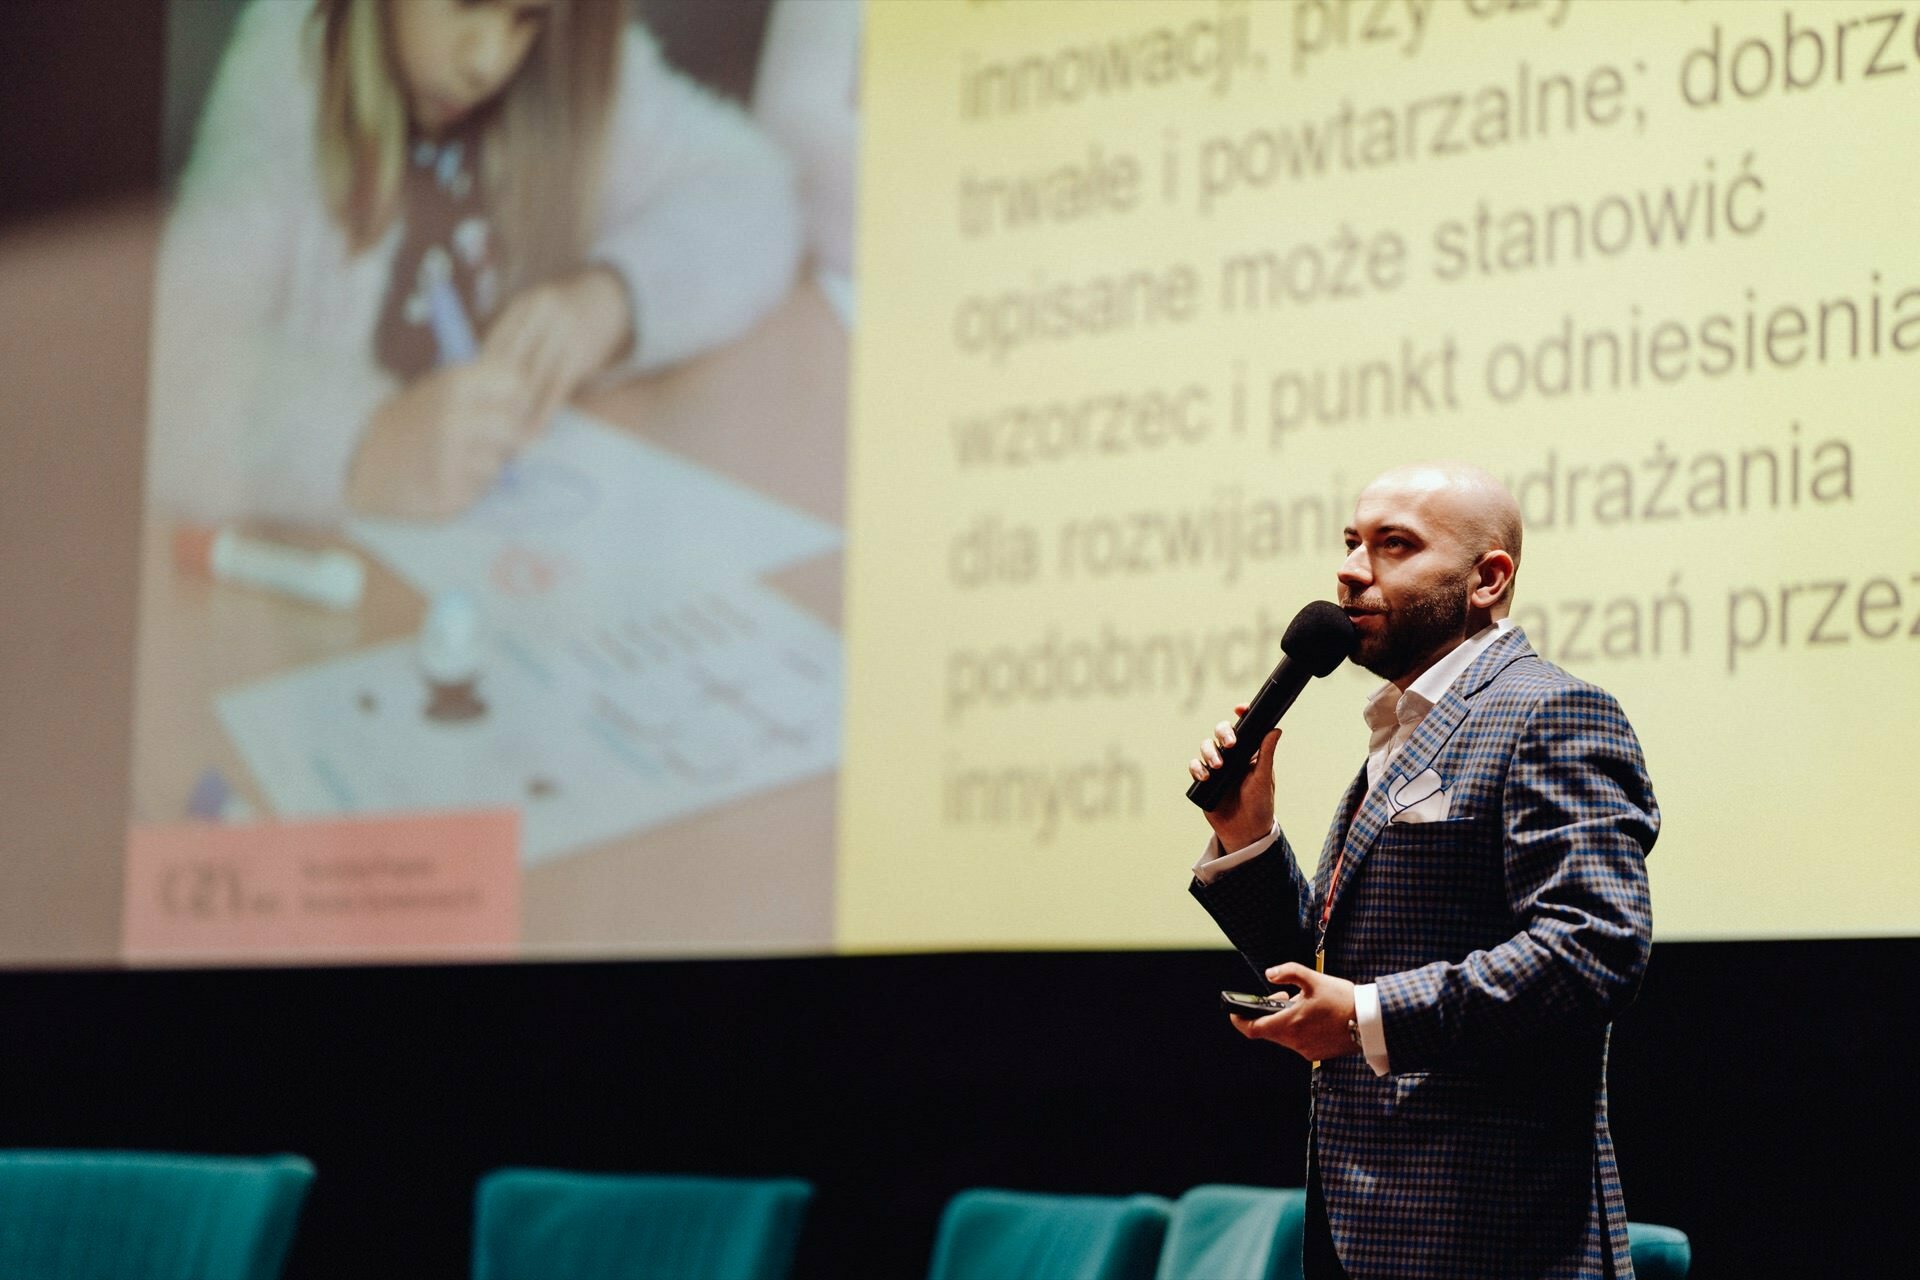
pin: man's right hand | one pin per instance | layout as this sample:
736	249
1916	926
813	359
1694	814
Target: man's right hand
1244	816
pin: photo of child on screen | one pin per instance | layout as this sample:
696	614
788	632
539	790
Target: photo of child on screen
410	230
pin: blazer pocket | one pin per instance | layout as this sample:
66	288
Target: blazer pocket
1428	809
1425	1097
1458	860
1464	1107
1461	832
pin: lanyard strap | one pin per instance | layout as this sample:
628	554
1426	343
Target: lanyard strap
1326	910
1326	914
1333	885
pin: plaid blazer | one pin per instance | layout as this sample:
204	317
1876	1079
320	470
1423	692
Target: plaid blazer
1504	939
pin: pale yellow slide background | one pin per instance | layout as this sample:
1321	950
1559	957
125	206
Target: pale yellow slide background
1788	809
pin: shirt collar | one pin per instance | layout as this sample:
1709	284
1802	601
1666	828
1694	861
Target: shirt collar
1438	678
1386	706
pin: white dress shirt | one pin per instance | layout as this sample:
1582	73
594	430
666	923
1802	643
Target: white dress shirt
1391	721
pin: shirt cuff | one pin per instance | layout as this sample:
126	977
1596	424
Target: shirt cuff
1373	1032
1215	863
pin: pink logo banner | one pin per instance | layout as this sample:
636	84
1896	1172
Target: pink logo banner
413	887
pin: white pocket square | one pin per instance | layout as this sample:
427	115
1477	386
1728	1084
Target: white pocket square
1421	798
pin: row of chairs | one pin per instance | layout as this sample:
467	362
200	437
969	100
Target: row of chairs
113	1215
1209	1233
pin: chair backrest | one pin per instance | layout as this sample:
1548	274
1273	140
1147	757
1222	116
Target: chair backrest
535	1224
1659	1253
992	1235
108	1215
1223	1232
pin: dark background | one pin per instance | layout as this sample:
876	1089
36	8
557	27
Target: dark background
1760	1100
1760	1090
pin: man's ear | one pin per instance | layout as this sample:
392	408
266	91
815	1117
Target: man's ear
1492	573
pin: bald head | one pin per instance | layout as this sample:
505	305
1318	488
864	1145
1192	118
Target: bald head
1463	502
1430	561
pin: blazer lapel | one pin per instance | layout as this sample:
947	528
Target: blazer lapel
1420	752
1337	833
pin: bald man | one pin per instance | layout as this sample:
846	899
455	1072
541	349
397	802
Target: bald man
1478	917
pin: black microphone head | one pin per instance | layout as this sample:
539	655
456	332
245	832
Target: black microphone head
1320	637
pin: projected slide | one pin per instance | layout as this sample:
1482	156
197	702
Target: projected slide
491	592
550	552
1174	280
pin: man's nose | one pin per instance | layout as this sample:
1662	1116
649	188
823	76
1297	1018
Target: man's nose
1356	571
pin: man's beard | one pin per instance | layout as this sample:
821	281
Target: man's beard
1414	628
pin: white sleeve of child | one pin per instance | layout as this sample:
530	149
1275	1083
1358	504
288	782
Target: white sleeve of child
699	213
251	413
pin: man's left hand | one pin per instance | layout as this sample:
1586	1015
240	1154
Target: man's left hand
1315	1024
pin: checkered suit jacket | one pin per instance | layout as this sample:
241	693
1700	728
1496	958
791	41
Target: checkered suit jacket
1504	939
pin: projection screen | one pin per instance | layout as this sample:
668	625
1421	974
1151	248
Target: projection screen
807	484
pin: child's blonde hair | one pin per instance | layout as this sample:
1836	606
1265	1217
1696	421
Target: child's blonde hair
542	152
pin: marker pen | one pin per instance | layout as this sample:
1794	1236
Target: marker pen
452	331
331	579
453	334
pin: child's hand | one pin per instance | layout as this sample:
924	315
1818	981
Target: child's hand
560	334
435	447
432	450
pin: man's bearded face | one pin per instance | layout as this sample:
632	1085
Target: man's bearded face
1419	620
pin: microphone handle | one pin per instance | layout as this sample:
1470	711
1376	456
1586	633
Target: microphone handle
1281	688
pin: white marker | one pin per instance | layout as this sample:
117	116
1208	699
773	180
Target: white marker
449	655
452	330
449	644
332	579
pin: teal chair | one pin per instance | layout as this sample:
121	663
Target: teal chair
543	1224
1659	1253
1003	1235
111	1215
1223	1232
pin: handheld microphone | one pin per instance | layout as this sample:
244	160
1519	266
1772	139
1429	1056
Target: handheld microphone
1319	638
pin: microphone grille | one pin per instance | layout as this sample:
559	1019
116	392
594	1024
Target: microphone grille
1320	637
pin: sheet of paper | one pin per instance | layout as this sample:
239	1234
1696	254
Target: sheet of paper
589	517
653	709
